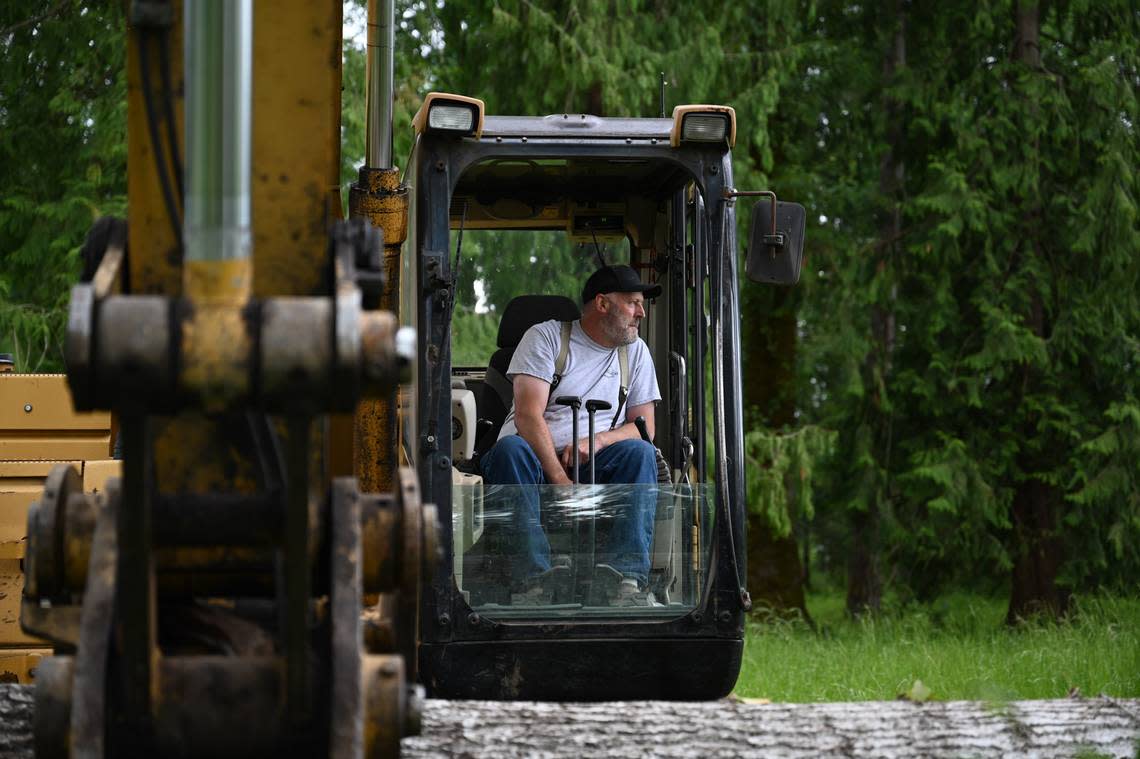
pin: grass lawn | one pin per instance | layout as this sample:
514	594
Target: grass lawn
957	647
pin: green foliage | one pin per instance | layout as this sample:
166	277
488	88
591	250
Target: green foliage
505	264
1107	490
473	337
778	469
415	26
957	648
1014	288
511	263
62	160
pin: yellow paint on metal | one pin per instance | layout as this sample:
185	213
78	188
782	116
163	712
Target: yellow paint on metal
420	120
680	111
379	197
21	483
19	665
197	455
373	446
295	165
219	282
39	429
58	444
216	350
96	473
296	143
155	251
31	403
12	472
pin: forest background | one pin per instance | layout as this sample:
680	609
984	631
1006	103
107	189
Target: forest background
948	399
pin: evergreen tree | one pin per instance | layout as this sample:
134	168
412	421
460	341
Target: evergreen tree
949	396
1012	285
62	160
1014	350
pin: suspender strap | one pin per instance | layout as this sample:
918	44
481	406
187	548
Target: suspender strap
563	354
501	385
623	368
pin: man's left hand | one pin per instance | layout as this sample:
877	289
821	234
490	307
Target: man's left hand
567	456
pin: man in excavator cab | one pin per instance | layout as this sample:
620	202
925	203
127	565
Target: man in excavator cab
560	371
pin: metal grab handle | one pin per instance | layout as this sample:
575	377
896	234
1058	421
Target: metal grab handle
591	408
730	193
773	240
575	403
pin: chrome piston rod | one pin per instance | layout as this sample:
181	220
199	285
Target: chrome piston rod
381	83
219	87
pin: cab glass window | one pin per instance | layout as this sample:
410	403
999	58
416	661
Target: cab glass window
540	228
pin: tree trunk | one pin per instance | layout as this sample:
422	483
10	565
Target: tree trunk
595	100
1037	549
1036	545
864	583
1037	554
775	575
1027	39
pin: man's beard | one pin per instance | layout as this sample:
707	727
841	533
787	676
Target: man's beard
617	331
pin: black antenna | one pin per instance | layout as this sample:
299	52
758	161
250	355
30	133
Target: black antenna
663	83
598	249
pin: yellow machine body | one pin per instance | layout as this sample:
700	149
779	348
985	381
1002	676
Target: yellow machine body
38	430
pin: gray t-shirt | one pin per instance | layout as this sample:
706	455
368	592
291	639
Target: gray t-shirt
592	372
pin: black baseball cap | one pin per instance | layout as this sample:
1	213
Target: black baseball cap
617	279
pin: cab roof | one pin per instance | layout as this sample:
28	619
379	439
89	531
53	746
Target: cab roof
459	115
572	125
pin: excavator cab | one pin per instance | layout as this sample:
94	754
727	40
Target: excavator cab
509	217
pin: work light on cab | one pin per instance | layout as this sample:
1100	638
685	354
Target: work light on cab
703	123
443	113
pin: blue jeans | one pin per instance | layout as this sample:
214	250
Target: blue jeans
511	461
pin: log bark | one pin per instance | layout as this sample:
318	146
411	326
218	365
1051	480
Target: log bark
731	728
16	708
1064	728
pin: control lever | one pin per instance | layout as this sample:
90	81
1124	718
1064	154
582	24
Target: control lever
642	428
687	451
591	408
483	428
575	403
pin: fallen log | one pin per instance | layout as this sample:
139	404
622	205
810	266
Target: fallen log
728	728
16	704
1062	728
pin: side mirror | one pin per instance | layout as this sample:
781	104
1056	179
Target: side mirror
776	242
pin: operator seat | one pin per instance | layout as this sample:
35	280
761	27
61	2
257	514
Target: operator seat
497	395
